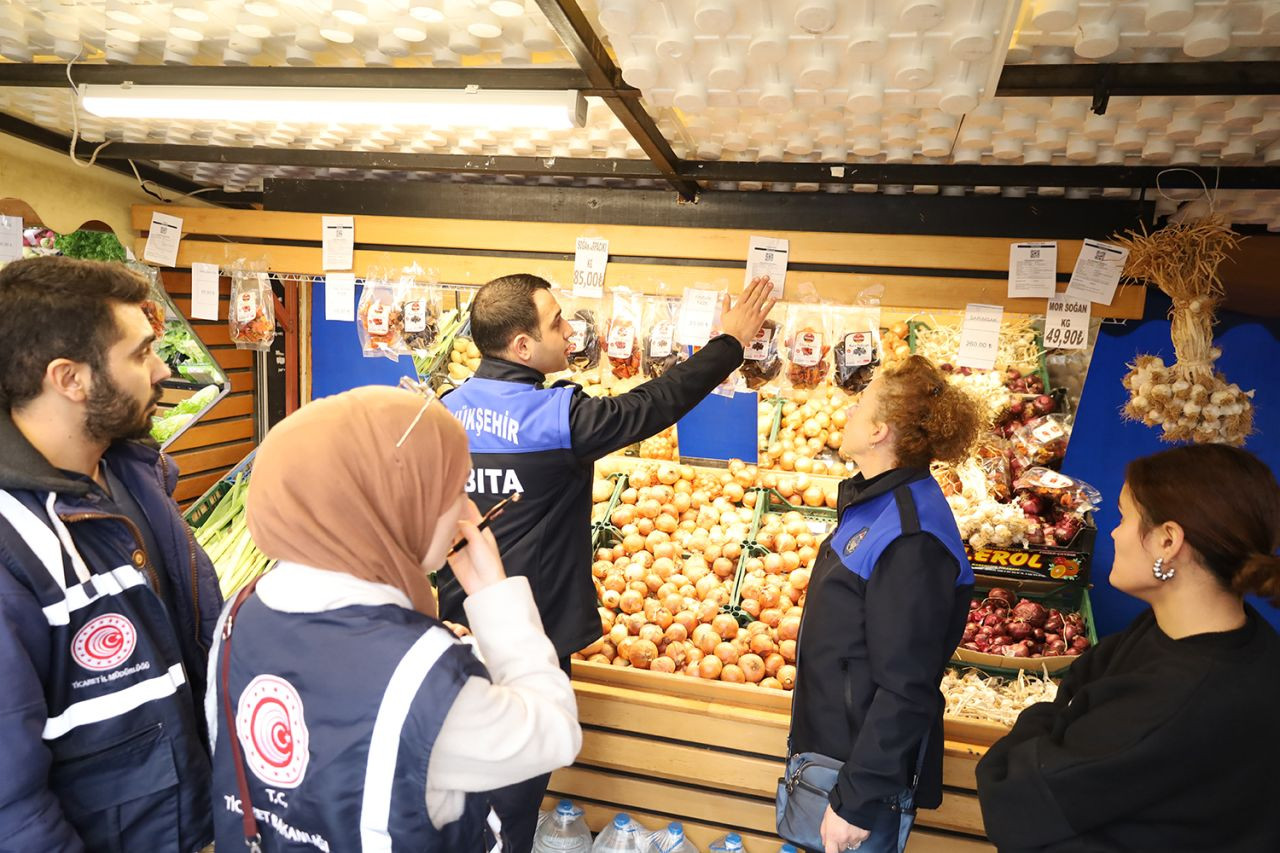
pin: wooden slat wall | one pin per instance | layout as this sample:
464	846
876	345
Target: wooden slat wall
224	435
709	754
693	256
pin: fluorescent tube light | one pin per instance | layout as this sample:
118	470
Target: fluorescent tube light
426	107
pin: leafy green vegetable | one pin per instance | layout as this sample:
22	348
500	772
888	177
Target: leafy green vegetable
90	246
164	427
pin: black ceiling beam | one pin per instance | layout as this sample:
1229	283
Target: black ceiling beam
582	167
1141	78
49	139
1227	177
569	22
536	79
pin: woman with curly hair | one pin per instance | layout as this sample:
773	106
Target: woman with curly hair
886	606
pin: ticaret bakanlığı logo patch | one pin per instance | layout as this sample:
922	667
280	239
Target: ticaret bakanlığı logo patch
272	730
104	642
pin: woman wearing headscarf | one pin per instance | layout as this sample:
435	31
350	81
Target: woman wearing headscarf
360	721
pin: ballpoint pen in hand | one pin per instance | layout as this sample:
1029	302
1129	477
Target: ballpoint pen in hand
488	518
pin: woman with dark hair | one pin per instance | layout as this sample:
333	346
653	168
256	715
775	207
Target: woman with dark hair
886	607
1164	736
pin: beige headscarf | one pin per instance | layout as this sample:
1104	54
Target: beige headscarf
330	489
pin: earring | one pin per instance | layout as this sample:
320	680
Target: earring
1161	575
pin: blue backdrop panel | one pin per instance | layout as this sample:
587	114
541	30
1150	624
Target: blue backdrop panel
337	364
1102	442
720	428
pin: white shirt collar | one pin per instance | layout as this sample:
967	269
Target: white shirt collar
295	588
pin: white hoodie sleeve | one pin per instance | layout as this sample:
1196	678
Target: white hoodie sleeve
520	724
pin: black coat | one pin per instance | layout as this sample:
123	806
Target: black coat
546	536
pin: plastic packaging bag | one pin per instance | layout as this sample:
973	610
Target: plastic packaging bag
586	340
762	362
624	835
660	352
252	315
380	318
624	342
856	330
1042	441
154	305
808	345
1066	493
562	831
422	308
670	840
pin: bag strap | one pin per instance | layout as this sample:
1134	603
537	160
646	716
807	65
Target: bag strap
252	836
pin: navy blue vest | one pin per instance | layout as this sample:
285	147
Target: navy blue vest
508	417
867	528
337	714
121	716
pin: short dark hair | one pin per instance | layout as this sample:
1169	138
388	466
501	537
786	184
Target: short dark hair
1227	503
504	308
53	308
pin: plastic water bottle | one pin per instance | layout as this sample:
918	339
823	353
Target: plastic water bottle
670	840
563	831
731	843
624	835
788	848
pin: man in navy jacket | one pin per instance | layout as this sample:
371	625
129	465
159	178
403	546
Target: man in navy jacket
107	605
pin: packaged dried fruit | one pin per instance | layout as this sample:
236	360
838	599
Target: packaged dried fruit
252	314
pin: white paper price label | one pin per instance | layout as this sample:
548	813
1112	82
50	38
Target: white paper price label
339	239
980	336
1097	273
1033	269
246	307
697	316
204	291
767	256
1048	431
162	240
10	238
590	258
1066	324
340	297
806	349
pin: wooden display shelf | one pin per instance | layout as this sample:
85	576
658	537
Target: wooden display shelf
708	754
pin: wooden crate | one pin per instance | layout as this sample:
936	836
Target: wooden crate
719	773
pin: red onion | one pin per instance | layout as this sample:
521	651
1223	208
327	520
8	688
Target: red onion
970	631
1018	651
1019	630
1032	612
1070	632
1054	623
1080	643
1001	594
1045	404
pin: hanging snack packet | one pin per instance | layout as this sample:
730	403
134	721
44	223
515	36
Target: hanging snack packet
659	352
808	345
623	342
1041	441
583	314
422	308
252	315
154	305
762	362
380	318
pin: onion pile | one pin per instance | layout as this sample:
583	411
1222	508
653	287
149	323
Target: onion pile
663	585
661	446
894	343
1001	624
809	433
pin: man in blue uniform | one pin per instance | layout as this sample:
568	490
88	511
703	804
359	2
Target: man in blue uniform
543	442
106	603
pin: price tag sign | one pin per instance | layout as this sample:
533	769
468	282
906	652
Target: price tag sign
1097	272
1066	325
590	257
1033	270
339	242
697	316
204	291
767	256
340	297
10	238
162	240
980	336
